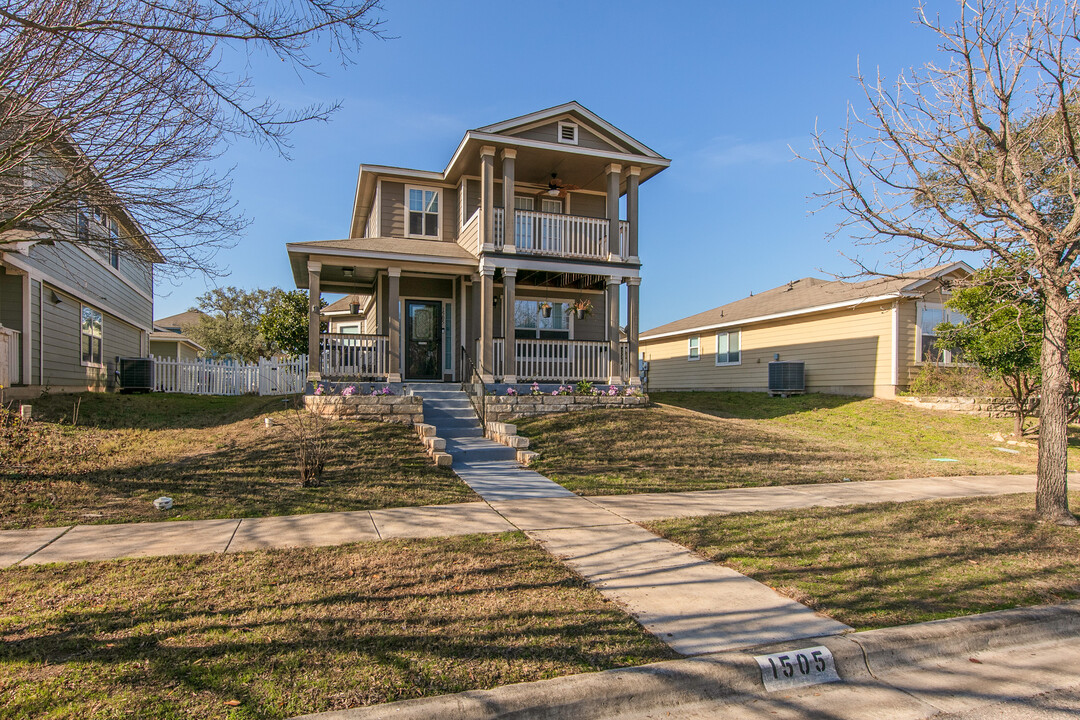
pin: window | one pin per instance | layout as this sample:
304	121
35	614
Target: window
448	341
114	243
727	347
349	329
568	133
82	222
930	316
695	348
91	336
542	319
423	213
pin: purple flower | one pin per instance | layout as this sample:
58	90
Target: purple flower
319	390
511	391
349	391
387	391
612	390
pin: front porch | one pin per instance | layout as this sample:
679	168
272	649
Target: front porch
367	358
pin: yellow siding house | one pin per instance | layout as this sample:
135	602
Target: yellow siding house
866	338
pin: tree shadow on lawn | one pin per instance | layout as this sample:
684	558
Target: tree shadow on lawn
896	563
290	632
374	465
752	405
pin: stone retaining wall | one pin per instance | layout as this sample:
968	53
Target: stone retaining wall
994	407
511	407
384	408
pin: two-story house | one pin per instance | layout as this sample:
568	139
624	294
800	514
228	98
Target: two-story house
76	291
513	260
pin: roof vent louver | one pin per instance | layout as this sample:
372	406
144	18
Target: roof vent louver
568	133
787	378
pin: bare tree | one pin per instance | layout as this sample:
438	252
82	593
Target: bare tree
980	153
122	104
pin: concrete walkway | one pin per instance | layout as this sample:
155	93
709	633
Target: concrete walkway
489	468
693	605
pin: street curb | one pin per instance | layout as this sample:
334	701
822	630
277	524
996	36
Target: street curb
733	675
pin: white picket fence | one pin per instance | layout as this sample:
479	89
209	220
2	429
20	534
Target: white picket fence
197	377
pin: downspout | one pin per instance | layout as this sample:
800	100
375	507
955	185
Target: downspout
895	345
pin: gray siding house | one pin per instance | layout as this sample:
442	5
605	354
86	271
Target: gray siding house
68	309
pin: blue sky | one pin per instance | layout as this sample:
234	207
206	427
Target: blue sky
721	88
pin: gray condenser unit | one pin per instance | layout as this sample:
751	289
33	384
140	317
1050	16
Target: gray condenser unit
135	374
786	378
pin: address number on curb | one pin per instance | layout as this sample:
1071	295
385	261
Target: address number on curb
796	668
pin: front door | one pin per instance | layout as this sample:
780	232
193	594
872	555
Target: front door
423	330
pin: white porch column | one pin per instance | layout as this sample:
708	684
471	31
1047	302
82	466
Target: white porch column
393	324
314	296
487	198
487	341
614	174
509	226
614	374
633	285
632	179
509	341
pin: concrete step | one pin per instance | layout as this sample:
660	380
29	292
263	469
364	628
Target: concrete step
475	449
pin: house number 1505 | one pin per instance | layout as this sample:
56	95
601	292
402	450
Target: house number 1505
808	666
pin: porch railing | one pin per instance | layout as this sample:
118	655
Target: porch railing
349	355
558	235
10	356
561	360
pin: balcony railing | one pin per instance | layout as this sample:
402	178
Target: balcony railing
557	235
561	360
354	356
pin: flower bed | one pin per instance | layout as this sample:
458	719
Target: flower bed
364	401
500	408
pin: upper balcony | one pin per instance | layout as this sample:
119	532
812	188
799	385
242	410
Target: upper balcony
558	235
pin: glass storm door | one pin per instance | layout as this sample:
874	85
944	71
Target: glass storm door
423	330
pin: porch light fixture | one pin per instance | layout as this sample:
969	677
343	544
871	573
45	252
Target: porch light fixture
347	272
55	298
354	308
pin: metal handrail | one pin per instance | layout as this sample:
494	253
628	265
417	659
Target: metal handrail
467	381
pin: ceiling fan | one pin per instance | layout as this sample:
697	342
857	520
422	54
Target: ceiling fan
558	188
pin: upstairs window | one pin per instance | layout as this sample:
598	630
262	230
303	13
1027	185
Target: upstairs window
114	243
82	223
727	347
930	316
694	348
568	133
423	213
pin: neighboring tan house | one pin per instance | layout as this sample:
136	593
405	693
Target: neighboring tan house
865	338
69	309
478	264
351	315
169	341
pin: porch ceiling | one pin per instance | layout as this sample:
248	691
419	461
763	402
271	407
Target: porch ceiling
365	257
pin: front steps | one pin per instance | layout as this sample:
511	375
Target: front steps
447	408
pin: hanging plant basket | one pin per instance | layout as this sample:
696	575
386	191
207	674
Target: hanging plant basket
580	314
545	309
581	308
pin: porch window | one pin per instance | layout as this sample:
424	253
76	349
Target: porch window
930	316
694	348
530	320
423	213
727	347
91	336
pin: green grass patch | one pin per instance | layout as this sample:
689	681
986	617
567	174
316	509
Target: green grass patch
212	455
704	441
872	566
283	633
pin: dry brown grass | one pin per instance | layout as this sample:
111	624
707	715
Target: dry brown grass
212	455
701	441
290	632
897	563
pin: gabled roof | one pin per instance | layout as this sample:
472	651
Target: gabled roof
189	317
806	296
578	112
341	307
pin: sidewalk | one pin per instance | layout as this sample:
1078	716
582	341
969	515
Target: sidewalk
105	542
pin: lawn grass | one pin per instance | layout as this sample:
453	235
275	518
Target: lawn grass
704	441
872	566
274	634
212	455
